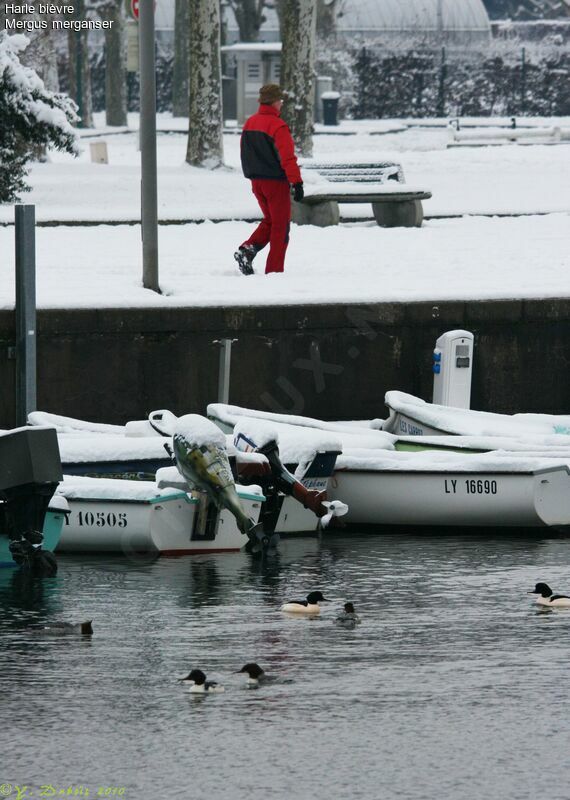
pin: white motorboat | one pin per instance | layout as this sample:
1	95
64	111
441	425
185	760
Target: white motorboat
411	416
446	489
124	516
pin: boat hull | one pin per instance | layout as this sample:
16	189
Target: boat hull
402	425
294	520
455	499
165	525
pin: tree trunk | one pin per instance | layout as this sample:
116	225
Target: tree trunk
205	145
115	63
49	70
249	16
279	7
181	65
326	18
83	96
298	33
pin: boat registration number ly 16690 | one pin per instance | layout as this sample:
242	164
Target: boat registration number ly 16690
470	486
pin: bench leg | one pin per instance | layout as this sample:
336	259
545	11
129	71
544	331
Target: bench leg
320	214
408	214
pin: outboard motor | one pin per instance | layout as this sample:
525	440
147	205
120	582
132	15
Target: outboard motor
289	485
30	470
200	454
264	442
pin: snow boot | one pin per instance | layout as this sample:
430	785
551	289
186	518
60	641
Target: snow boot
244	256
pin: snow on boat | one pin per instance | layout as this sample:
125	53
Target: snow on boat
442	489
81	427
107	454
411	416
78	427
123	516
92	448
350	433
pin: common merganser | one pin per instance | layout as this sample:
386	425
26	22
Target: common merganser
349	618
546	597
63	628
199	683
308	606
255	675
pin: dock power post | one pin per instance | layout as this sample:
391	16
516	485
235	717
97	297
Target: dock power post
452	367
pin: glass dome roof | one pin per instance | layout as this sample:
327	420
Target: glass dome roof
370	17
410	15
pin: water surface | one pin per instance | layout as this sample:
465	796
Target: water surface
454	686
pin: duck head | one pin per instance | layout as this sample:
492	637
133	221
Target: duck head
316	597
197	676
542	589
251	669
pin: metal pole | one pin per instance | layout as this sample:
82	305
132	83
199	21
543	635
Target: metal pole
149	205
224	373
79	65
523	81
25	312
441	89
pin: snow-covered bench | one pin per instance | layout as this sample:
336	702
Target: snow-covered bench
394	203
480	137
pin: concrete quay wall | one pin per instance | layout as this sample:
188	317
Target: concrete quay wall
327	361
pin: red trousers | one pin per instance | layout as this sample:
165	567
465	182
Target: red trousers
274	200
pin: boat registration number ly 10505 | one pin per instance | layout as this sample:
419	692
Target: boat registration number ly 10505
100	519
470	486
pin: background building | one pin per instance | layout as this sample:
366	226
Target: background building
453	20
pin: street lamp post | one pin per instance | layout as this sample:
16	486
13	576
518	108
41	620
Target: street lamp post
149	204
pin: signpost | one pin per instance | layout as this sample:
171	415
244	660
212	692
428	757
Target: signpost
132	46
25	312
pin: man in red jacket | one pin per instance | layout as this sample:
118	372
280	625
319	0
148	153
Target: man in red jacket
268	159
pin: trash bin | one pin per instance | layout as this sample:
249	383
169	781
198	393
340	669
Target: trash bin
330	107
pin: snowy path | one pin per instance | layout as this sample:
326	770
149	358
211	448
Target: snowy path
469	258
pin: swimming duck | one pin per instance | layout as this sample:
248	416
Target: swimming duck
348	618
63	628
546	597
308	606
199	683
255	675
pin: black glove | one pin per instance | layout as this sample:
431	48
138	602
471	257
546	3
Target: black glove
298	192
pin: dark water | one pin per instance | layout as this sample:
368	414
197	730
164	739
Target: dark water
454	686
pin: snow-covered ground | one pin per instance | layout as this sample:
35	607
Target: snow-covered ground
464	258
487	180
474	257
